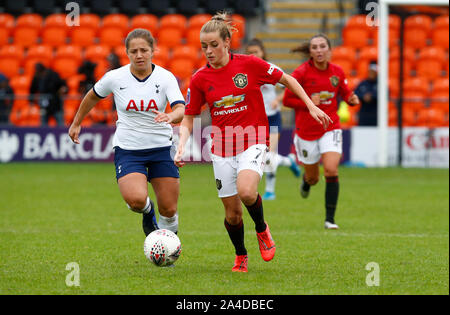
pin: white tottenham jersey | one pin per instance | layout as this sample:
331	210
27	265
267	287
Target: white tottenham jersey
136	128
269	93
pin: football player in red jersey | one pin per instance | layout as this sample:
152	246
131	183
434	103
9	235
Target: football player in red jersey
230	85
323	82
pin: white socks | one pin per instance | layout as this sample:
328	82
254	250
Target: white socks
170	224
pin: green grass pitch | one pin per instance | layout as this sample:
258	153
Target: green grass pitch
55	214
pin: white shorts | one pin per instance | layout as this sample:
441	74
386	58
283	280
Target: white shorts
226	169
309	152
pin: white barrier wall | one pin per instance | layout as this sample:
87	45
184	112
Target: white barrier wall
422	147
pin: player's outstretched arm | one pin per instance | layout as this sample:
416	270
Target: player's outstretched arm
185	132
292	84
88	102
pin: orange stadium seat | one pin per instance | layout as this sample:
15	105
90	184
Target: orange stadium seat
394	68
198	20
353	82
9	66
25	36
54	36
111	36
65	67
414	100
193	37
356	37
440	85
440	100
201	61
431	62
146	21
170	37
236	42
121	52
55	20
4	36
20	84
186	52
344	52
12	51
416	85
238	21
83	36
409	117
173	21
431	117
90	20
416	38
409	54
346	65
162	62
161	55
394	88
67	60
419	22
440	37
7	21
35	54
439	22
11	57
367	55
69	51
394	22
96	52
116	20
358	21
32	20
182	68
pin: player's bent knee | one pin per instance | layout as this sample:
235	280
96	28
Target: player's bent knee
312	180
168	212
136	204
247	196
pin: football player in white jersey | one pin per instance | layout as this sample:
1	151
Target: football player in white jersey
272	104
143	137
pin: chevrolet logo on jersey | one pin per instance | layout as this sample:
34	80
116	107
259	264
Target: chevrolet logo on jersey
229	101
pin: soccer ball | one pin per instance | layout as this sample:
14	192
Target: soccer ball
162	247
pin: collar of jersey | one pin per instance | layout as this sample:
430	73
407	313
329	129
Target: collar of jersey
145	79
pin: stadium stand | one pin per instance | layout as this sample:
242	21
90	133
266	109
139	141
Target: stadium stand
146	21
130	7
188	7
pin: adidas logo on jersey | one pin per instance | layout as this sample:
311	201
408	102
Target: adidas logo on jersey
142	108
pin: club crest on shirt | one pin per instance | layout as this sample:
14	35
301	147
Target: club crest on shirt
240	80
334	80
218	184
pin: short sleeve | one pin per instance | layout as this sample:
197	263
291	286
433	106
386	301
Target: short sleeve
195	99
267	73
173	93
103	87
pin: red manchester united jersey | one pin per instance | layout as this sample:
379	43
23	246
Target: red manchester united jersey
328	84
235	102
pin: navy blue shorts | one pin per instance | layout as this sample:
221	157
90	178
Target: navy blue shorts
275	123
153	163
